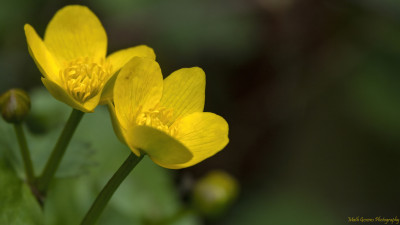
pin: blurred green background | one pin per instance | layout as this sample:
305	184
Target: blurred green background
309	88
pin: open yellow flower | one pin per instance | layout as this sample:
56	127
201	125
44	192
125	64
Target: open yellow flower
72	58
165	118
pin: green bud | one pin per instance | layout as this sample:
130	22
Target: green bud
15	105
214	193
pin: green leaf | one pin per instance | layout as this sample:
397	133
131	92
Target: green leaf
148	193
94	154
44	126
17	205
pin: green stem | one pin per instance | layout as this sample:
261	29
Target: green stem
59	149
105	195
26	157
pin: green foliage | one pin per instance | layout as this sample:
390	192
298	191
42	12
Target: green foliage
17	205
148	194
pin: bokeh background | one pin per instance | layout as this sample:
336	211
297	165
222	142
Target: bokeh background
310	89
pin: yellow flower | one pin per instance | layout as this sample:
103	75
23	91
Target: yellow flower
72	58
165	118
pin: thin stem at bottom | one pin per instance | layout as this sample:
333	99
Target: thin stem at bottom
59	149
26	157
105	195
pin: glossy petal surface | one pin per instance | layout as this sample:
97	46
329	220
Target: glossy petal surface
162	148
75	32
119	58
44	60
204	134
138	88
184	92
60	94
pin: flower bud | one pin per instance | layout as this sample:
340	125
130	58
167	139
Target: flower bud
14	105
214	193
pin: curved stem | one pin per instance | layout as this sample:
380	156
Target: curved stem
105	195
26	157
59	149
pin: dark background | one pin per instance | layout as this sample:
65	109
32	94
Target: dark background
309	88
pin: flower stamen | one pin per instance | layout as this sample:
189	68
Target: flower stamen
84	78
158	117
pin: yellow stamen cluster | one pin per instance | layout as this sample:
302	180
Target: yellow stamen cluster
84	78
159	118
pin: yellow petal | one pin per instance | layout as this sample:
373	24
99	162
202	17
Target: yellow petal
75	32
92	103
120	58
61	95
117	60
204	134
162	148
116	127
46	63
108	90
184	92
138	87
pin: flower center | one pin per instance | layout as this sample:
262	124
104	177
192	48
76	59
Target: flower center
84	78
158	117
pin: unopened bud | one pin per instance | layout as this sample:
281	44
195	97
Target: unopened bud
214	193
15	105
